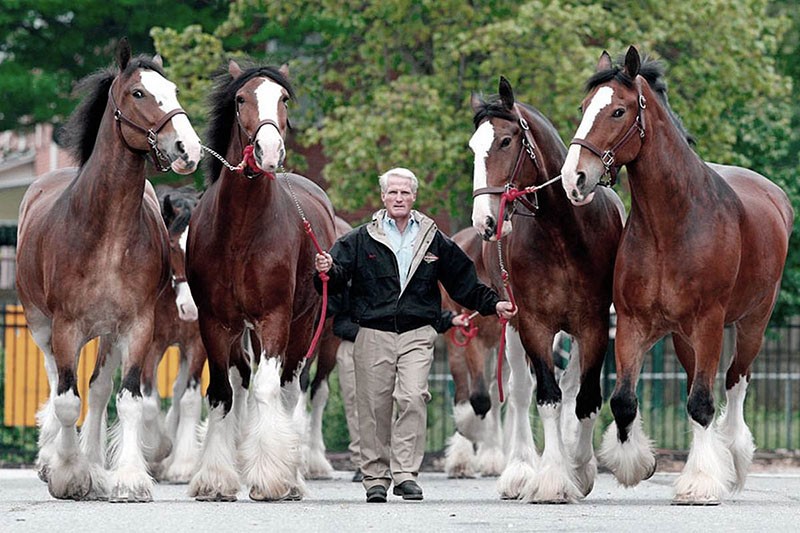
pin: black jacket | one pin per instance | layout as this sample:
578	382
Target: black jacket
364	258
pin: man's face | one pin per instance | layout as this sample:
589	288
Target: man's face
398	198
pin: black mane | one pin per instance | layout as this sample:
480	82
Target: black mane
223	111
653	72
492	108
79	133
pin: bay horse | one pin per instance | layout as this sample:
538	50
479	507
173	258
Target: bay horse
704	246
560	261
473	366
92	257
250	266
176	324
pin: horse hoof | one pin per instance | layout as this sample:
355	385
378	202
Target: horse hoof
74	490
708	502
551	501
652	469
122	494
506	496
216	497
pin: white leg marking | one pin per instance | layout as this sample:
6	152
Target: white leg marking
631	461
736	434
131	482
709	469
459	457
318	465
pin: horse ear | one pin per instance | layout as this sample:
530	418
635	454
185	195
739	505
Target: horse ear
123	53
632	62
158	60
234	69
284	70
476	102
506	93
604	63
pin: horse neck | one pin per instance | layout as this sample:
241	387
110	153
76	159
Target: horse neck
238	194
550	154
666	172
110	185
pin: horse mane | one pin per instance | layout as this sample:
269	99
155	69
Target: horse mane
79	133
180	222
223	110
652	71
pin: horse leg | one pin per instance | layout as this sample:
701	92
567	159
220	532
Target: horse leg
318	465
172	420
186	449
491	459
239	373
156	443
459	453
132	483
522	457
554	481
271	451
709	470
95	425
625	449
41	328
592	346
69	476
216	478
731	423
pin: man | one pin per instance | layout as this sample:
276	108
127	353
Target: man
393	265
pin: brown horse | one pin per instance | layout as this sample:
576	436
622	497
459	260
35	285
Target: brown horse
176	324
473	366
560	261
91	261
250	266
704	246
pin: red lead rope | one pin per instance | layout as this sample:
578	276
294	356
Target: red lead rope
324	277
502	346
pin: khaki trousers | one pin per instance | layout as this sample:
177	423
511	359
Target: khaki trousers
347	384
392	370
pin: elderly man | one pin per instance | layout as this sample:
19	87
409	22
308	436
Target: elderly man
394	264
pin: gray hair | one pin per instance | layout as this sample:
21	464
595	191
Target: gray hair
398	172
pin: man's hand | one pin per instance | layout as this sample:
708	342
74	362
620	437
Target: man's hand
505	309
323	262
461	320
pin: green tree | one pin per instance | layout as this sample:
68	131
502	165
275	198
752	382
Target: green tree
47	46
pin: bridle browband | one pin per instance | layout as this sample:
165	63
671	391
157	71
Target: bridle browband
151	133
609	156
528	147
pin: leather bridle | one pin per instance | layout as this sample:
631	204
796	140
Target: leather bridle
608	157
151	133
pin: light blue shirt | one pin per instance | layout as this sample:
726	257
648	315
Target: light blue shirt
402	245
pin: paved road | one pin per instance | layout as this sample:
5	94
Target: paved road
770	503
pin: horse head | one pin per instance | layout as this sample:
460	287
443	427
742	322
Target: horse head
177	210
612	130
505	159
261	112
148	115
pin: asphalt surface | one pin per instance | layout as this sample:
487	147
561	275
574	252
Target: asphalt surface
769	503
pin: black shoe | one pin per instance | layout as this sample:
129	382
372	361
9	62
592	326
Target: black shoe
376	494
358	476
409	490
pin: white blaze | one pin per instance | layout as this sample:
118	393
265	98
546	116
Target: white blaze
600	100
480	143
268	96
187	309
165	94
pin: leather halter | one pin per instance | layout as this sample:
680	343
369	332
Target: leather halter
609	156
151	133
265	122
528	146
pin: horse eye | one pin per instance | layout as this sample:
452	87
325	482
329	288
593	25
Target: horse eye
240	99
137	94
618	113
505	142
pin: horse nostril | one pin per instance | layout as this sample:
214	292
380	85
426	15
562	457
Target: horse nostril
581	180
179	147
574	193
